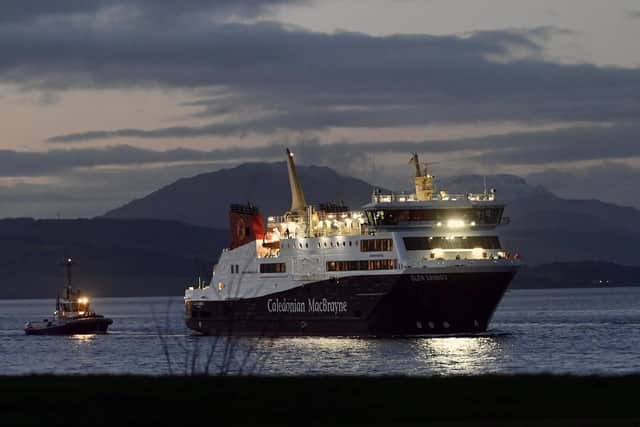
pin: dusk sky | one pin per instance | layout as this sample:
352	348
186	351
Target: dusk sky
105	101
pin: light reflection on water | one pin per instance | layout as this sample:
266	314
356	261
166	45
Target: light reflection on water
561	331
82	337
462	355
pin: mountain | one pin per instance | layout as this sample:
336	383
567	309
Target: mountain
204	199
508	187
544	228
114	257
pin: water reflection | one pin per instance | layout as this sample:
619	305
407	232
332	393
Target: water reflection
82	338
561	331
453	355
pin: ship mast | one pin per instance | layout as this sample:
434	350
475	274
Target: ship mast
68	262
298	202
423	181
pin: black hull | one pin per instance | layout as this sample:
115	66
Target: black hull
389	305
95	325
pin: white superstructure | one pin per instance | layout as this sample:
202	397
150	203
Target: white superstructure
426	232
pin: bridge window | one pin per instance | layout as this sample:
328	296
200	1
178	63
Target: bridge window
273	267
376	245
479	215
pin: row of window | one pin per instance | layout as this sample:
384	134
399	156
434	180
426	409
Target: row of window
273	267
480	215
470	242
360	265
376	245
332	244
371	245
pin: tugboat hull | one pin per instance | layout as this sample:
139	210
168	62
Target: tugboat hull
95	325
408	304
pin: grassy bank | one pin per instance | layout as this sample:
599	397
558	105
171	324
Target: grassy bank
195	401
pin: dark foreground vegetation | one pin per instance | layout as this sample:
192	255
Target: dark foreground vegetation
220	401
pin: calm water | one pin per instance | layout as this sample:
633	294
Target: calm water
580	331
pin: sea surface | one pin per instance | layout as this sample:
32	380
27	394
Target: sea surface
578	331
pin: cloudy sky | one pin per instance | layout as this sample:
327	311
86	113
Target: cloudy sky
102	101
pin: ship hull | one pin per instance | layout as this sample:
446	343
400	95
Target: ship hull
409	304
91	325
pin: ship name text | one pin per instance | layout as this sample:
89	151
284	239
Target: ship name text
428	277
312	305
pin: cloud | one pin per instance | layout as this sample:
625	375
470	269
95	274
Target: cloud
280	77
634	14
114	175
25	164
579	143
566	145
30	10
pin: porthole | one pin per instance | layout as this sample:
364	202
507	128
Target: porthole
350	242
432	325
306	245
445	324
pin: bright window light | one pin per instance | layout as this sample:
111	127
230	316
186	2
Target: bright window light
455	223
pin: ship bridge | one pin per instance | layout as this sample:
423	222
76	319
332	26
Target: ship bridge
427	207
452	211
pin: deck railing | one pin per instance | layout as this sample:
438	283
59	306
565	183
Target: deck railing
442	196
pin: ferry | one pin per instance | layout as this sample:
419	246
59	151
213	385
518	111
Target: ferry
428	263
72	316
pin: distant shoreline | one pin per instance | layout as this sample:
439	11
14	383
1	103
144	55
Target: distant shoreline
511	288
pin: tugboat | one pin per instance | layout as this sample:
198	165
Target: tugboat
73	314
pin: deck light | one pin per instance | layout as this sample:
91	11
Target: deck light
455	223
